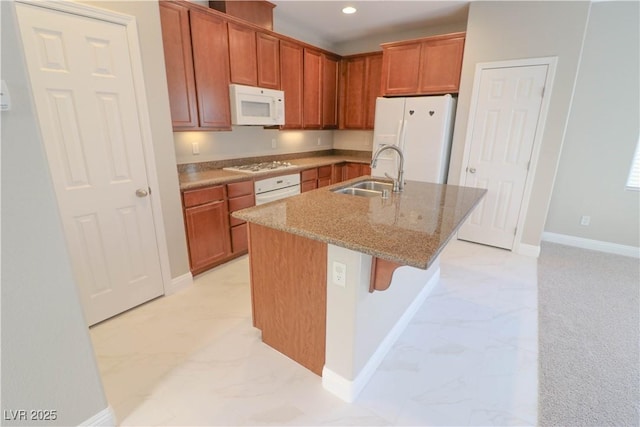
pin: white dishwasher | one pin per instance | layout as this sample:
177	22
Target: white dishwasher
276	188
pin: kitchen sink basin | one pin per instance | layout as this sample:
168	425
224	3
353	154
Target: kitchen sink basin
367	188
353	191
373	185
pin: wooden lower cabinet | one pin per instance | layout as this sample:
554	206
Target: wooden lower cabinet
354	170
207	234
289	294
324	176
213	235
313	178
239	238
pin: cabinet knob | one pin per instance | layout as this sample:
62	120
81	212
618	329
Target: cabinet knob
142	192
472	170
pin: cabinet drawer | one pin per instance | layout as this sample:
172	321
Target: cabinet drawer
237	204
238	189
324	171
202	195
308	186
309	175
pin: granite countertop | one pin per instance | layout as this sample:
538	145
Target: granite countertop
203	178
409	228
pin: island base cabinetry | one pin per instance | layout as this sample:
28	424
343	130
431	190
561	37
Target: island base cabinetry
289	293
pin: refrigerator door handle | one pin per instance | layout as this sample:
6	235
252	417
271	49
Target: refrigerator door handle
403	131
399	133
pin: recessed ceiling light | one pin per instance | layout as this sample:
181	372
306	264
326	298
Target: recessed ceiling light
349	10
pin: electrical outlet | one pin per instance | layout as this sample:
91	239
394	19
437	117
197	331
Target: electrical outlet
339	274
319	141
274	144
195	148
585	220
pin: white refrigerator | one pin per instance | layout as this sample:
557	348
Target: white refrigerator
422	128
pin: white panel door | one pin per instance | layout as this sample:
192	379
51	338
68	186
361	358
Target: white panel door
83	88
504	128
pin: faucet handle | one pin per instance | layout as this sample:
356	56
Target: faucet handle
396	183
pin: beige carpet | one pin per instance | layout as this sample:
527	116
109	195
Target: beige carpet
589	338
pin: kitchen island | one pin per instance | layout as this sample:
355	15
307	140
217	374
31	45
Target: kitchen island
335	278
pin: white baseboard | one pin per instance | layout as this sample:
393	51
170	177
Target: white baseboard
179	283
348	390
595	245
527	250
104	418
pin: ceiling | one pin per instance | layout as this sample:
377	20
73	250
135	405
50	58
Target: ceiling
326	20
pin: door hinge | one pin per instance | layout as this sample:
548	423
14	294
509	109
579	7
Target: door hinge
528	166
515	231
542	94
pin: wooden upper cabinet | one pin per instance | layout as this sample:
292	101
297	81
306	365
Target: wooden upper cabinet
374	73
291	71
211	64
441	65
176	39
400	69
329	92
354	93
258	12
312	105
268	59
426	66
360	87
242	55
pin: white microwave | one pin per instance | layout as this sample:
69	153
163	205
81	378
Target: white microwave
256	106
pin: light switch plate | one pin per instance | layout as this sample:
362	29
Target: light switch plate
339	274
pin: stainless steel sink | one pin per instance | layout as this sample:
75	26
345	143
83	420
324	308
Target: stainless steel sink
353	191
369	188
373	185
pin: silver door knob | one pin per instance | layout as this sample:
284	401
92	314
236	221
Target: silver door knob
142	192
472	170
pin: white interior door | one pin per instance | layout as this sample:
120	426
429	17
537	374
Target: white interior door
504	127
81	76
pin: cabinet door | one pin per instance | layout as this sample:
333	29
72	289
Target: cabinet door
352	170
239	238
337	174
211	64
242	55
176	40
441	66
312	106
354	93
308	186
268	56
291	83
329	92
400	69
374	72
207	234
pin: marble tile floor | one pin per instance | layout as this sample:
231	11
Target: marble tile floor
469	356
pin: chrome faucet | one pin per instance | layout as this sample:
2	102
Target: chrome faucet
398	183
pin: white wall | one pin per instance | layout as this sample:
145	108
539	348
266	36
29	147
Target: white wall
147	14
360	140
47	357
498	31
248	141
602	132
372	43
